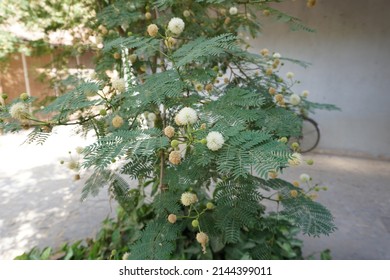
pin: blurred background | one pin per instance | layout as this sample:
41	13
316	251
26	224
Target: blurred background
350	67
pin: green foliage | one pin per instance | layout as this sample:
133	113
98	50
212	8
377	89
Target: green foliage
111	242
225	109
37	136
201	49
159	87
237	207
157	241
312	217
120	12
142	45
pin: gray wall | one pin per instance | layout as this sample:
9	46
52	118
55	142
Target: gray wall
350	68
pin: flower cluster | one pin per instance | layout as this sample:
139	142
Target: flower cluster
172	218
233	11
175	157
176	26
152	117
152	30
19	111
304	177
169	131
188	198
117	121
186	116
215	140
295	99
119	84
290	75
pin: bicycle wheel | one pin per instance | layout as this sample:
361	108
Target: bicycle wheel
310	135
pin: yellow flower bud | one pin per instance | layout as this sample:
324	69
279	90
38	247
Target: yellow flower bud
294	193
271	90
175	157
152	30
311	3
202	239
148	15
117	121
172	218
169	131
296	184
264	52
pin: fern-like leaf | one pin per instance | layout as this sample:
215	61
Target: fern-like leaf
202	48
157	241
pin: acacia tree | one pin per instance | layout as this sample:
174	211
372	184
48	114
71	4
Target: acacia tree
178	104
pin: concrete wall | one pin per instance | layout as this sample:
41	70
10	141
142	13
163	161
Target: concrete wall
350	56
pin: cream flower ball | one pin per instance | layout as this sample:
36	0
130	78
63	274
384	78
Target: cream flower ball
304	177
176	25
277	55
295	99
290	75
233	11
215	141
152	30
169	131
152	117
186	116
188	198
117	121
119	84
19	111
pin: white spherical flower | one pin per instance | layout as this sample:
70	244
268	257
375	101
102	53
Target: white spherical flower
276	55
187	116
176	25
19	111
152	117
119	84
106	90
304	177
295	99
188	198
305	93
126	256
215	140
73	165
296	159
233	11
290	75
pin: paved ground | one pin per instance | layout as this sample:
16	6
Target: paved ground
39	201
359	198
